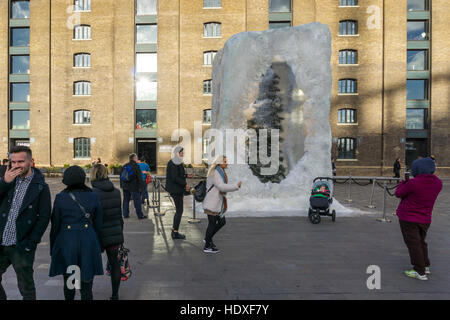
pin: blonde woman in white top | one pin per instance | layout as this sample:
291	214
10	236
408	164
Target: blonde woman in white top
215	202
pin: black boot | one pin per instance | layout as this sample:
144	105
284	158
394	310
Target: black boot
177	235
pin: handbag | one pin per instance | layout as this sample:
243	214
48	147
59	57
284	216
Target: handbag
125	269
148	179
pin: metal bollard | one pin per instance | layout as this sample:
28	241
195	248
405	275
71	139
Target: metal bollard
384	219
349	199
371	206
156	198
193	219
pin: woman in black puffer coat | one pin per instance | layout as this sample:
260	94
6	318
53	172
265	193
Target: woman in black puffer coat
111	235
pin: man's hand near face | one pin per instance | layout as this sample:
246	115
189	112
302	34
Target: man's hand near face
12	173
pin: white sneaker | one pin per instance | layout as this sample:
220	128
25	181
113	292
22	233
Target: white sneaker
427	270
413	274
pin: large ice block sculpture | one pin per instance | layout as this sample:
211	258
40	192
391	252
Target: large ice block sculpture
288	69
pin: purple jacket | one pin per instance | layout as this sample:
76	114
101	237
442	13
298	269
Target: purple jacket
418	197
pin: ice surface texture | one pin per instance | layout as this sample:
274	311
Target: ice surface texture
242	72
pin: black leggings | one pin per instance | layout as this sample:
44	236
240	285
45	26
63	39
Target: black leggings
85	290
215	223
178	200
112	253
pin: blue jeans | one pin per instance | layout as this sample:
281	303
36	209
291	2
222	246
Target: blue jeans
136	196
144	194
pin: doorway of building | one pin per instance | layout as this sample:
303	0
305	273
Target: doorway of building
147	148
415	148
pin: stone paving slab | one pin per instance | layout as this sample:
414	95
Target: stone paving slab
268	258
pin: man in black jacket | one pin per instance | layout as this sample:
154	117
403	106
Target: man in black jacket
177	187
25	210
3	167
132	188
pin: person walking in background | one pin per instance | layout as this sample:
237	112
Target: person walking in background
145	169
215	202
414	212
3	167
132	185
75	232
333	166
177	187
25	209
397	168
111	235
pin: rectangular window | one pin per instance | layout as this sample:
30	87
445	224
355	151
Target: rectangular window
212	3
205	148
279	24
146	90
207	87
20	64
348	57
279	5
417	89
348	27
82	5
416	119
82	148
146	7
347	86
20	37
145	119
82	117
348	3
417	60
146	33
20	92
347	116
346	148
212	29
20	119
418	5
208	57
417	30
207	116
82	33
82	60
20	9
82	88
146	62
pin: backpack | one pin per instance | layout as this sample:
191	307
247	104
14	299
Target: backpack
125	270
200	191
127	173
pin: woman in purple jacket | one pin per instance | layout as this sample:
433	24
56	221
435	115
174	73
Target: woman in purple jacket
414	213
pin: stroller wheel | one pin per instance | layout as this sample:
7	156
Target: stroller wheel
333	215
314	218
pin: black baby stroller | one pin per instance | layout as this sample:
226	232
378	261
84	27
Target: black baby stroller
320	200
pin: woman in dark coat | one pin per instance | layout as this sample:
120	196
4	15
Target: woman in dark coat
397	168
111	235
74	235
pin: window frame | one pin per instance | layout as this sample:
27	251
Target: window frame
84	141
154	123
82	117
215	26
86	30
348	85
148	54
85	3
146	24
207	56
11	119
83	59
426	27
12	38
12	64
346	154
148	14
347	114
345	56
11	95
207	115
427	7
424	120
207	84
348	26
11	9
212	7
341	3
425	87
85	88
426	59
290	8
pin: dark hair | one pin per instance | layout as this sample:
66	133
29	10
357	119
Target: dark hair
18	149
142	159
132	156
4	161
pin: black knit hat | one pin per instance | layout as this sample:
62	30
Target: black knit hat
74	175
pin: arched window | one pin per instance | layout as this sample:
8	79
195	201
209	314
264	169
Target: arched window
348	56
346	116
82	60
81	148
82	32
82	5
347	86
346	148
82	117
212	29
82	88
207	86
208	57
348	27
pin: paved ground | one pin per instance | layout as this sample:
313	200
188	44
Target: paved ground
269	258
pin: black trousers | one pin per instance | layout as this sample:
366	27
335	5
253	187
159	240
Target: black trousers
215	223
414	235
22	263
112	253
178	200
85	290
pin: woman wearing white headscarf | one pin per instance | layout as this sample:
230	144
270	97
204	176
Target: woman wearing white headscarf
215	202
